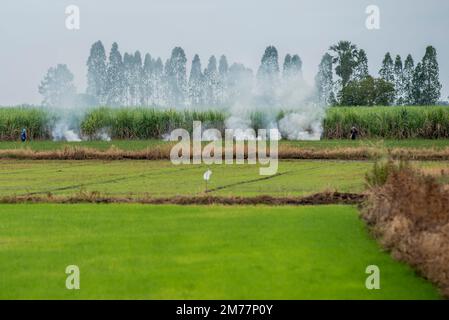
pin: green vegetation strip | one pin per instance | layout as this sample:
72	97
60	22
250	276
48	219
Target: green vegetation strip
136	145
140	178
163	179
215	252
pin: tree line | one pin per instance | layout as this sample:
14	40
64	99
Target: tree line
399	83
130	80
343	79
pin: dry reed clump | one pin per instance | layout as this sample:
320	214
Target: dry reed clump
162	152
410	216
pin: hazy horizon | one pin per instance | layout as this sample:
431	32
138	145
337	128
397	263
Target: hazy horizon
36	38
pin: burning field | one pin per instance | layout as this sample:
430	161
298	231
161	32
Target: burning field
140	225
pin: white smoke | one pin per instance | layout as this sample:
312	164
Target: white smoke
61	132
241	127
211	135
104	136
289	106
66	126
301	126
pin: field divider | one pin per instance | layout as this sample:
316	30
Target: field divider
322	198
162	152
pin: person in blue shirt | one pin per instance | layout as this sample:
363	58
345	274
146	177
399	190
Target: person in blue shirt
23	135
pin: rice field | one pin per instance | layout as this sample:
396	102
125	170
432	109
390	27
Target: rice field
130	251
142	178
158	178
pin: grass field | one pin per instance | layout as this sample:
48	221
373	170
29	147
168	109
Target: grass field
44	145
191	252
161	178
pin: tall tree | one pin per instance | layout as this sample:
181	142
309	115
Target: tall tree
386	72
269	66
240	82
127	75
211	82
147	85
287	66
196	82
97	73
418	83
431	91
292	67
361	68
223	69
176	77
158	83
57	87
324	81
408	71
345	58
296	66
116	78
268	76
399	88
137	79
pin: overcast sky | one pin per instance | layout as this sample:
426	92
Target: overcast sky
34	36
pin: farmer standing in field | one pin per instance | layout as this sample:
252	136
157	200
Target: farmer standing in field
23	135
354	133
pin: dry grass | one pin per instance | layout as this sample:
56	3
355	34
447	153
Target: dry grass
410	216
83	153
96	197
162	152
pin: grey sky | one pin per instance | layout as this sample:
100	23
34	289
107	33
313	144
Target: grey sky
34	36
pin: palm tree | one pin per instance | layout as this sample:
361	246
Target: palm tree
345	56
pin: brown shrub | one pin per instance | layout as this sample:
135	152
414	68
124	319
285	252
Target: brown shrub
410	216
